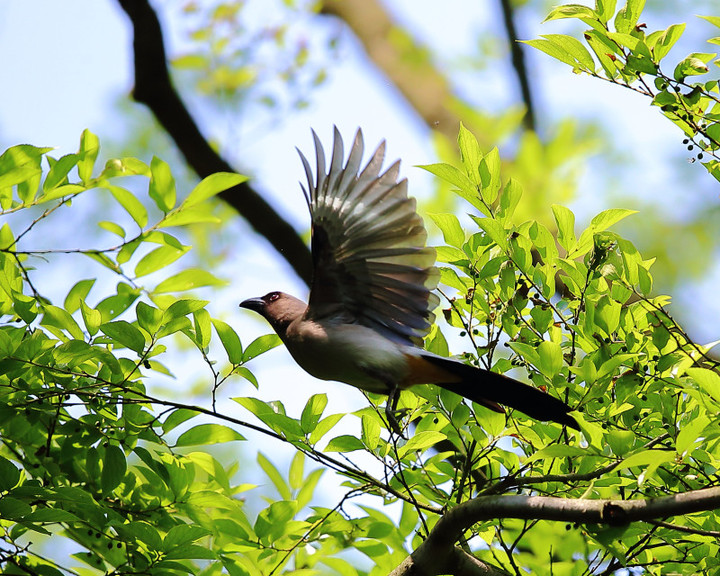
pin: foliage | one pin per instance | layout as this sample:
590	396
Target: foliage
241	57
90	454
578	315
621	51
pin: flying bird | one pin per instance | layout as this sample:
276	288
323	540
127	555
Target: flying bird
371	300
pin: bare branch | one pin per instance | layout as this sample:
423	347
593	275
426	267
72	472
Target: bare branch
451	561
518	62
428	558
422	85
154	88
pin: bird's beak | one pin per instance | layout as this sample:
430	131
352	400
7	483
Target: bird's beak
256	304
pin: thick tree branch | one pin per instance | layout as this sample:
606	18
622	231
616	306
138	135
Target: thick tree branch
518	62
429	558
154	88
401	60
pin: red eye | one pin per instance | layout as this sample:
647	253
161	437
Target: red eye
272	296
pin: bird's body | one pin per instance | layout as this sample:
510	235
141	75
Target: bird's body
371	299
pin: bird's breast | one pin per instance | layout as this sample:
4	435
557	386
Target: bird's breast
349	353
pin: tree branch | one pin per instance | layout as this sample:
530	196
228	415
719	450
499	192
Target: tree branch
518	62
429	558
404	63
154	88
451	561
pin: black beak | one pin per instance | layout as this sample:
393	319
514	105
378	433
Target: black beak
256	304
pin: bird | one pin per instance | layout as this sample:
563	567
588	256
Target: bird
371	298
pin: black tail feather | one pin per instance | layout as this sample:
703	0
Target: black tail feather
486	387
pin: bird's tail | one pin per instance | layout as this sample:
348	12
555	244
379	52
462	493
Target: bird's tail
490	389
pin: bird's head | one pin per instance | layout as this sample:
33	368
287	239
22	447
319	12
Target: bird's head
278	308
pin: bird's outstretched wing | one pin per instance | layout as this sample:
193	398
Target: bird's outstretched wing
371	264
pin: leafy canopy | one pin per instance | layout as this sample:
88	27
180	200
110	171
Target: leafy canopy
89	454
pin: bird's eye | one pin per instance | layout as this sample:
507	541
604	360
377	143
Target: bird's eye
273	296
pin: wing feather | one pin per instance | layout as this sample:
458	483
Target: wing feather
371	264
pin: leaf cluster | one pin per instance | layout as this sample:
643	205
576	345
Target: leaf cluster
618	48
576	313
89	453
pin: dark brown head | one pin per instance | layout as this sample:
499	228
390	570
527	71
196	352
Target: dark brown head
278	308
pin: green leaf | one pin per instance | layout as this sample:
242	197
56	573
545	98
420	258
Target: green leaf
77	294
307	489
183	534
647	459
607	218
708	381
130	203
605	9
312	412
323	427
344	443
114	468
183	307
112	228
184	216
370	431
571	11
693	65
158	258
271	522
162	185
59	318
449	225
550	358
230	341
465	187
667	40
509	200
148	317
124	333
714	20
59	171
296	473
627	18
607	314
142	533
91	317
470	153
620	441
275	477
212	185
260	345
566	49
599	223
690	433
494	230
177	417
187	280
206	434
203	327
89	149
603	48
115	305
421	442
565	221
9	475
273	414
489	171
